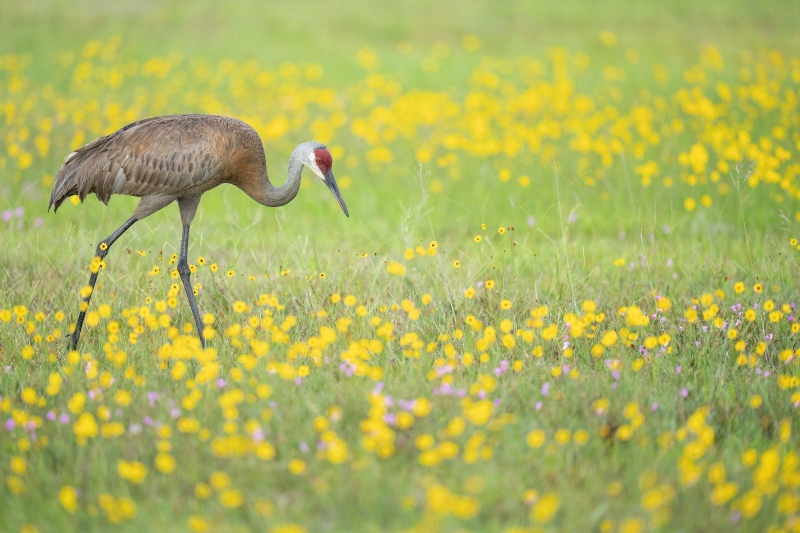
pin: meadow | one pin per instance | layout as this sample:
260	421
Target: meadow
564	299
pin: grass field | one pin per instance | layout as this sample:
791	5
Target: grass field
564	300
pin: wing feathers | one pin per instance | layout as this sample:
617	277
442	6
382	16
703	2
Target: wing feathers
159	156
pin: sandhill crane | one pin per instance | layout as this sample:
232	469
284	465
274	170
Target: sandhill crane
179	157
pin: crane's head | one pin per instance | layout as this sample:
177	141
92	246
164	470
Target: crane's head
318	159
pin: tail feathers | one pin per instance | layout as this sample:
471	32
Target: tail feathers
65	185
78	176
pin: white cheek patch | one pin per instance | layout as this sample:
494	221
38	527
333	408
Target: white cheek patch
312	164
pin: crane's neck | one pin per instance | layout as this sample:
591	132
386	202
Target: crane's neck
269	195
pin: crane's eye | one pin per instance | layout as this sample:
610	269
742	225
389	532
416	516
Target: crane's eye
319	162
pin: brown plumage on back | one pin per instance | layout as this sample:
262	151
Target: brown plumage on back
161	156
178	158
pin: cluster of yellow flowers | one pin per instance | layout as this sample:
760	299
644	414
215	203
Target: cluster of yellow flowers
510	108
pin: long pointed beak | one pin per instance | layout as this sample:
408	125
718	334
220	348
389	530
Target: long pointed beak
331	182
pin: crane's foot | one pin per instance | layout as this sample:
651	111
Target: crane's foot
73	340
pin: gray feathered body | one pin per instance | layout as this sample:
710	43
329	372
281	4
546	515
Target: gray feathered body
163	159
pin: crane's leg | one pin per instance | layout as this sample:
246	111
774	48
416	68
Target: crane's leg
186	278
102	250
